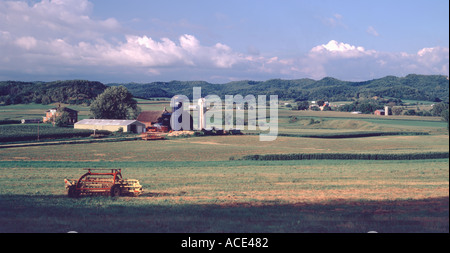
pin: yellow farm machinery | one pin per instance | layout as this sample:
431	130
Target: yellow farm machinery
103	182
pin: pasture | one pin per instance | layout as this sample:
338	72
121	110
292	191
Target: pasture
222	148
203	184
233	196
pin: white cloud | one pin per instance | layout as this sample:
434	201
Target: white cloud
26	42
144	51
189	43
54	19
371	30
61	37
434	59
338	59
340	49
335	21
341	60
63	32
223	56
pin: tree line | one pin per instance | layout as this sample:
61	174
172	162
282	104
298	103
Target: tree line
412	87
68	92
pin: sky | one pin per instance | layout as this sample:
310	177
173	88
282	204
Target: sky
221	41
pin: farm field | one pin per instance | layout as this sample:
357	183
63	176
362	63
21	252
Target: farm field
222	148
203	184
36	111
233	196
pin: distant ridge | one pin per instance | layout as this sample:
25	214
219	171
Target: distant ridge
413	87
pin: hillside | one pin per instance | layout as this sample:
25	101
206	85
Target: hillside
68	92
414	87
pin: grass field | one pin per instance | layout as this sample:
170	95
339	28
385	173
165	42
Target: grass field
221	148
199	184
233	196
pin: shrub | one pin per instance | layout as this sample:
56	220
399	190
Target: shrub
349	135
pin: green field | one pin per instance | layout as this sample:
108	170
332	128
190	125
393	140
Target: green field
233	196
202	184
222	148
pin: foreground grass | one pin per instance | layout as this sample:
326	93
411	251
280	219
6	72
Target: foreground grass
233	196
96	214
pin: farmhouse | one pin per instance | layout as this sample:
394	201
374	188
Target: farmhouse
52	114
111	125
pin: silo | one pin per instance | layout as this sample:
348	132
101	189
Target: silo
201	114
386	110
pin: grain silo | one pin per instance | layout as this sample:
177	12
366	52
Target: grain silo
386	111
180	119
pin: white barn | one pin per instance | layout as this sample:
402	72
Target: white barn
111	125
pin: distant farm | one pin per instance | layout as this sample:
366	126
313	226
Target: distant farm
328	171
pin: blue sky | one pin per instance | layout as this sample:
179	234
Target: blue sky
221	41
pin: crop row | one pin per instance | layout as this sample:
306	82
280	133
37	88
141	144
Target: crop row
356	134
346	135
352	134
343	156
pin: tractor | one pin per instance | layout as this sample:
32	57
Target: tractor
103	182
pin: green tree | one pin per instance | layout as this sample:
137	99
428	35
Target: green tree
439	108
397	110
410	112
62	120
326	108
115	103
368	107
302	105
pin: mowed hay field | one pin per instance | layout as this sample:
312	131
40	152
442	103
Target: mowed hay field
220	148
201	184
233	196
191	185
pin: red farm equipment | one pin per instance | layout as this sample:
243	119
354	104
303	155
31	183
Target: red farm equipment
107	182
152	135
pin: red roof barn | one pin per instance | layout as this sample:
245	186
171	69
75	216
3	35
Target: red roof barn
379	112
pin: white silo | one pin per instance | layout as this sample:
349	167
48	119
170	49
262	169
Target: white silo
201	114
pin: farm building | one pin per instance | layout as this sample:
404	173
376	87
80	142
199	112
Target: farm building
379	112
111	125
52	114
155	119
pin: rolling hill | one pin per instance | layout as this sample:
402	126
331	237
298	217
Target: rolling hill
412	87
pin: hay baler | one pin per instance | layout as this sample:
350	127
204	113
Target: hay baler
106	182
